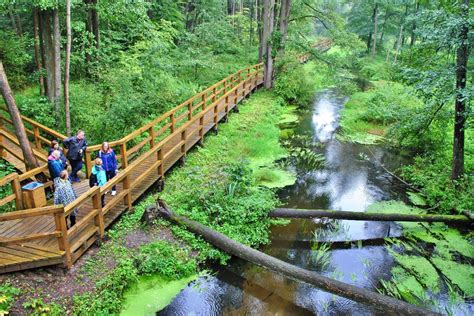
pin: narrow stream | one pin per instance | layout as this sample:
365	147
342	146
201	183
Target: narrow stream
347	182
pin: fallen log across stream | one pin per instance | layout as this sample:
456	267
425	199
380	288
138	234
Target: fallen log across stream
364	216
379	301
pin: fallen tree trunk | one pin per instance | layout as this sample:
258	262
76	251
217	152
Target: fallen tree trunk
382	302
363	216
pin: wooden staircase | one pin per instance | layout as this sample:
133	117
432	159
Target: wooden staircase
40	237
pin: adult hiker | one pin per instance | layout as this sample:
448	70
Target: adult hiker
64	194
109	163
76	146
55	166
98	174
55	146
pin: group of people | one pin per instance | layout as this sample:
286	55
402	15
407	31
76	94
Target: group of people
105	168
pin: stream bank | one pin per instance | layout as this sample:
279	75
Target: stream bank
351	180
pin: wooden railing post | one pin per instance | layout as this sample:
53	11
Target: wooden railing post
190	111
88	159
123	153
1	137
151	133
16	189
201	128
183	146
99	219
63	240
225	86
213	94
127	200
204	100
172	120
37	137
161	167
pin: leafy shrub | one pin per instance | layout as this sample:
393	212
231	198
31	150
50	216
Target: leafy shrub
294	82
7	294
165	259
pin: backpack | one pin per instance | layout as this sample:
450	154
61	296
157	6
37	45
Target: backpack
93	180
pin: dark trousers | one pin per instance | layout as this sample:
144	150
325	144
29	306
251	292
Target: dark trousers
76	166
110	174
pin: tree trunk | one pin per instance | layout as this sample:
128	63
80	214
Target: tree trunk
37	49
376	20
404	19
399	44
57	61
284	19
48	52
268	11
66	68
413	28
379	301
42	49
383	27
29	157
460	116
369	40
13	21
260	29
359	216
276	13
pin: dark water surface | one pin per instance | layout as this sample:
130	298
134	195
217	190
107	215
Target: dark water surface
349	183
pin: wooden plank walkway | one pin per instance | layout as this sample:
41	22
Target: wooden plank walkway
154	149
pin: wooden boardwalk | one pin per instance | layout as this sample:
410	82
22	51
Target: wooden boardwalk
39	237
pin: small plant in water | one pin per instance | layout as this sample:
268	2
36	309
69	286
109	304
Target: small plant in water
320	256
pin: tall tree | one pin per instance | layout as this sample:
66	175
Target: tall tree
413	27
460	103
36	40
283	25
376	20
66	67
268	20
57	61
29	157
51	49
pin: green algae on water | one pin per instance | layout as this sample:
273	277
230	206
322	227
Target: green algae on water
461	275
274	177
151	294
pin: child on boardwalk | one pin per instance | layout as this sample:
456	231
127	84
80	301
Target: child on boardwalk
100	175
64	194
109	163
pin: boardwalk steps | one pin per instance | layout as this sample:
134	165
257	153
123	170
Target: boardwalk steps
39	237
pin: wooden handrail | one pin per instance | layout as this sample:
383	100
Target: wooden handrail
14	240
174	127
81	199
40	211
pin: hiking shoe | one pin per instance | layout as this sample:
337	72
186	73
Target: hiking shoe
114	193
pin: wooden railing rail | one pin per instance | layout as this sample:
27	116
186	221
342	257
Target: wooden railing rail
39	134
146	136
183	126
89	225
13	180
60	231
38	153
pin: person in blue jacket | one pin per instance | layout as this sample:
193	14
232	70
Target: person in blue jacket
99	172
109	163
55	166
